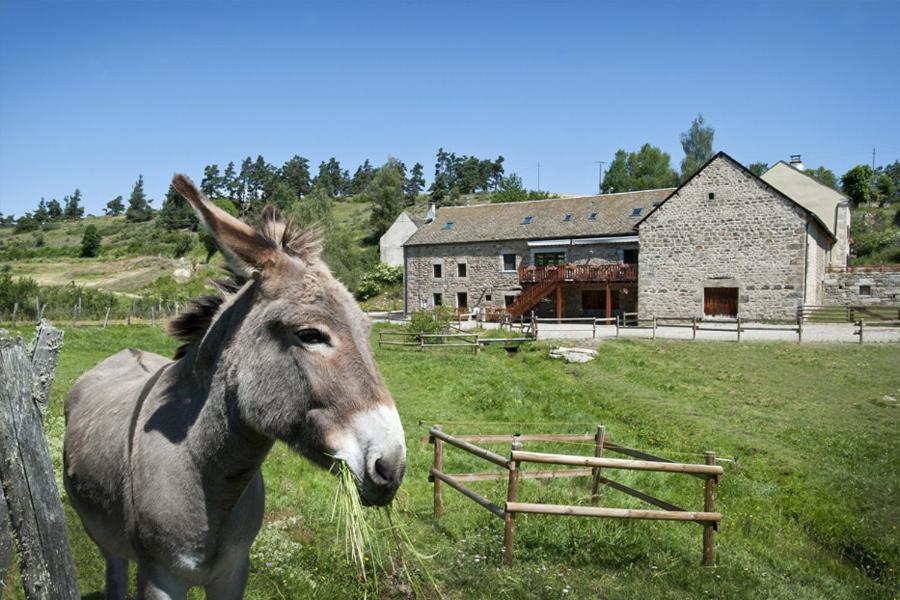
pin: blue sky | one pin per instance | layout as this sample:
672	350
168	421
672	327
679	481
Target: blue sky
94	93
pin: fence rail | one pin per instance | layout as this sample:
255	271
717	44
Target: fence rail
590	467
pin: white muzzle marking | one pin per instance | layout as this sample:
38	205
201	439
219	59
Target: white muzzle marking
370	435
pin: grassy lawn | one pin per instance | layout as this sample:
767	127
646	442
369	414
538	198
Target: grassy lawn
809	503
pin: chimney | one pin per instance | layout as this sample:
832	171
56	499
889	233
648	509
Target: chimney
796	162
429	216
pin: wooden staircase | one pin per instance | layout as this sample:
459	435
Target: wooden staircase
530	297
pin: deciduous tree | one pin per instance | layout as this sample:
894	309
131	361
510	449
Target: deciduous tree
857	184
385	192
647	169
697	143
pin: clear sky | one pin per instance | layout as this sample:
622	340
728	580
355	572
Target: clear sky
94	93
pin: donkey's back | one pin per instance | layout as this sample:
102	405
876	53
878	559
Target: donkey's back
99	410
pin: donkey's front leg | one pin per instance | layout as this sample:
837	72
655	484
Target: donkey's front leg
155	583
231	583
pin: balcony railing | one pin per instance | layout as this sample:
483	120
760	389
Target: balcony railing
579	273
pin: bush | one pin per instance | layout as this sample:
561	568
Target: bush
428	321
375	280
184	242
90	242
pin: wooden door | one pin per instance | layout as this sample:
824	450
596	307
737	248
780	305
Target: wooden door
720	302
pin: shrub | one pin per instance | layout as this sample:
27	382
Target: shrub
375	280
90	242
430	321
184	242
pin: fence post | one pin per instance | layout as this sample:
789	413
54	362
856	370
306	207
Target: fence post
709	505
438	466
694	328
421	342
477	345
598	452
862	326
15	310
130	311
33	501
617	324
595	329
799	329
41	314
512	495
654	327
534	325
739	330
37	309
106	317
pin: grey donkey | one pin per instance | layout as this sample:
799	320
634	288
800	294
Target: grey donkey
162	458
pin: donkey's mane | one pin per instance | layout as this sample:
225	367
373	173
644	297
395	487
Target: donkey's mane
195	319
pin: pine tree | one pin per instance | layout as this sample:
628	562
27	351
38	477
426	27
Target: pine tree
41	213
54	210
697	143
230	184
73	210
361	179
114	207
176	213
295	174
138	205
90	241
211	185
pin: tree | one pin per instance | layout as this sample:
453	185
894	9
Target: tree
231	184
647	169
281	194
361	179
176	213
823	176
857	184
138	205
414	184
26	223
206	238
510	189
41	214
212	183
54	210
386	195
90	241
73	210
697	143
295	174
315	210
758	168
331	178
890	187
114	207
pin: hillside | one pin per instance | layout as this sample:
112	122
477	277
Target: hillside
875	234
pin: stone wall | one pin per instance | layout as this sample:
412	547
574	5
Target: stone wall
850	288
745	236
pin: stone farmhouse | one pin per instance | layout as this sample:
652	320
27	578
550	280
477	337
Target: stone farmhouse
724	243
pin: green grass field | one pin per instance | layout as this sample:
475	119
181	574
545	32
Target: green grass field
810	503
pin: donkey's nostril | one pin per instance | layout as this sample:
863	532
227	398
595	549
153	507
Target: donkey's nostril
383	470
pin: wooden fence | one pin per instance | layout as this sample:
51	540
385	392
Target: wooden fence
848	313
590	466
31	511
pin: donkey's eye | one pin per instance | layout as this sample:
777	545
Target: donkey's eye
312	337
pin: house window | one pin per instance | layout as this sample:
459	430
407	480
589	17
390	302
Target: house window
488	297
437	299
527	220
720	301
865	290
630	256
712	196
545	259
462	300
509	300
592	217
438	270
509	262
460	269
567	218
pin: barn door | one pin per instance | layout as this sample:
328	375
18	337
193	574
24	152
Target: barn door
720	302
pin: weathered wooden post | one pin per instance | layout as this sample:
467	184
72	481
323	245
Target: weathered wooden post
438	466
694	328
862	326
598	452
739	330
799	329
106	317
15	310
512	495
26	472
709	505
534	325
477	345
654	327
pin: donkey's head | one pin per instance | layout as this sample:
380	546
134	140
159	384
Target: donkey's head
297	353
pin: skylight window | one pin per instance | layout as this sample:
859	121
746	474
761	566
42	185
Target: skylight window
567	218
448	225
592	217
527	220
636	212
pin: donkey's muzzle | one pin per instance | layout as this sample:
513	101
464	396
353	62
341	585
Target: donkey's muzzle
384	473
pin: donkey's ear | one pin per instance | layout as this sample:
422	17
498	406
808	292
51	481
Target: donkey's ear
305	244
235	238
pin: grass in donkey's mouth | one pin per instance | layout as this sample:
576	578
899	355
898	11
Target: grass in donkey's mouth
377	544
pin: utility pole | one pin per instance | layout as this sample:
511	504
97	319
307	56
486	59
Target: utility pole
873	159
600	178
539	176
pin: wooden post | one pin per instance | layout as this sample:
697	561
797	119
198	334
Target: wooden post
477	345
617	324
534	325
35	508
438	466
421	343
654	327
106	317
595	329
559	303
608	301
862	326
37	309
739	330
694	328
15	310
44	352
799	329
41	314
709	505
512	495
130	311
598	452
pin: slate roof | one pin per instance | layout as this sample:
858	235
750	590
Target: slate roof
807	192
489	222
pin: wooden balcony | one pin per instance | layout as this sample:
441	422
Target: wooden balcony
611	273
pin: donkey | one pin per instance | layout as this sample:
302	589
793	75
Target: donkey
162	458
